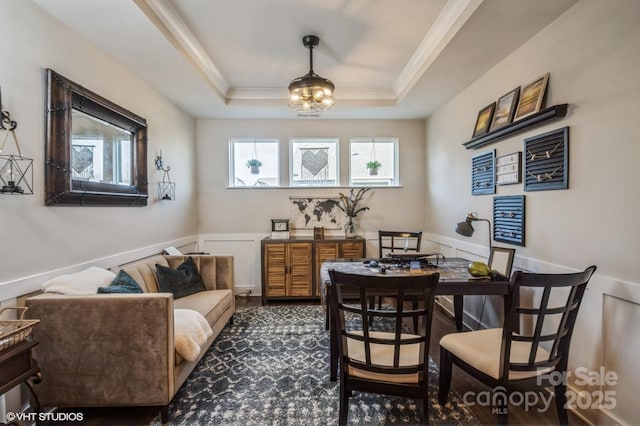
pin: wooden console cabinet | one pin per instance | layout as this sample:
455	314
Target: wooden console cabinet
291	267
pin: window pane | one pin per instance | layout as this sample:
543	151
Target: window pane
254	163
314	162
373	162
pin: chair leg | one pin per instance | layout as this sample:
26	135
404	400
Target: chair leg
445	376
344	402
561	403
500	397
425	409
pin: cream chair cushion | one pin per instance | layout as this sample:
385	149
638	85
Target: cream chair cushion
481	350
383	355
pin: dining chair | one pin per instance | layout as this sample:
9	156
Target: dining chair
376	352
393	241
390	242
507	360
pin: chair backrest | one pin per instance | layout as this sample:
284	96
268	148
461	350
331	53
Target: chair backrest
399	241
553	316
384	330
501	260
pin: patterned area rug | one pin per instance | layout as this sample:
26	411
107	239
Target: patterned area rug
271	367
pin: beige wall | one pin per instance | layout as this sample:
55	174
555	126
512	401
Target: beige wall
242	210
37	238
593	55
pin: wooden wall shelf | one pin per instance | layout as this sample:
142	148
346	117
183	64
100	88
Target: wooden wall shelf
544	116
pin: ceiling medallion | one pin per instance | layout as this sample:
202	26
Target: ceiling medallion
311	93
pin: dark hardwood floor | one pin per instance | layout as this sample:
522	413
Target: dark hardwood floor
461	383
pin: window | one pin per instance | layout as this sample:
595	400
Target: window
373	162
254	162
314	162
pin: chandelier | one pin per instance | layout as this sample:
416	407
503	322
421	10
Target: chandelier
311	93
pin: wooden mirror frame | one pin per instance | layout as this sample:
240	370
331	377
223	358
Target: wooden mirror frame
63	95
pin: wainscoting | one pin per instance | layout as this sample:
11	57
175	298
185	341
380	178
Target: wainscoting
606	337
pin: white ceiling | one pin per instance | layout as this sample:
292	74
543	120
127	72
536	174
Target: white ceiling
235	58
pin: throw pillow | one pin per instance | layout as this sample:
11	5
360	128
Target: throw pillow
182	281
123	283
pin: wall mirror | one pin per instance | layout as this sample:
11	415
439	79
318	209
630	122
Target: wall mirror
96	151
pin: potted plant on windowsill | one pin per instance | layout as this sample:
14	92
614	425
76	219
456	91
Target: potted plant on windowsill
254	165
373	167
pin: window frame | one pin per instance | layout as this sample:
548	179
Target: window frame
232	152
327	140
396	160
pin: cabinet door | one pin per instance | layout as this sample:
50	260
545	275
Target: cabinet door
324	252
300	269
275	269
352	250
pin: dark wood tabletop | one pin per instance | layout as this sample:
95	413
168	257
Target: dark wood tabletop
455	279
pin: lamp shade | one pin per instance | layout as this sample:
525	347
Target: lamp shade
464	228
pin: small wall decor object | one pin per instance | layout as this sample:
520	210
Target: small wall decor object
483	173
16	171
508	219
309	212
166	188
318	233
532	98
546	164
508	169
484	120
280	229
505	109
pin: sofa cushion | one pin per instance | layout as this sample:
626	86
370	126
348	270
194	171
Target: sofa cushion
182	281
210	303
84	282
122	283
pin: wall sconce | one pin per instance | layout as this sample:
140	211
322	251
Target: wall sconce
16	171
166	188
465	229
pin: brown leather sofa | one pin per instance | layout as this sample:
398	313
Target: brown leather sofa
116	350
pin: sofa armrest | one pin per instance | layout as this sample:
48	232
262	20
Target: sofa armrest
216	271
105	349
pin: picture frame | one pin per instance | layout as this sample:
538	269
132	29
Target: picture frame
505	109
508	169
532	97
483	122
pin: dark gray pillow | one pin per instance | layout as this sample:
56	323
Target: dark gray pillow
122	283
182	281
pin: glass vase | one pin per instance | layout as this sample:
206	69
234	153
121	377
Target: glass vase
350	228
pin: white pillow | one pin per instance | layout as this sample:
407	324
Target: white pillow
83	282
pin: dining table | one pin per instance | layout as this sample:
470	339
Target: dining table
455	280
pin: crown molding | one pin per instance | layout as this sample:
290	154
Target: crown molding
450	20
169	22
